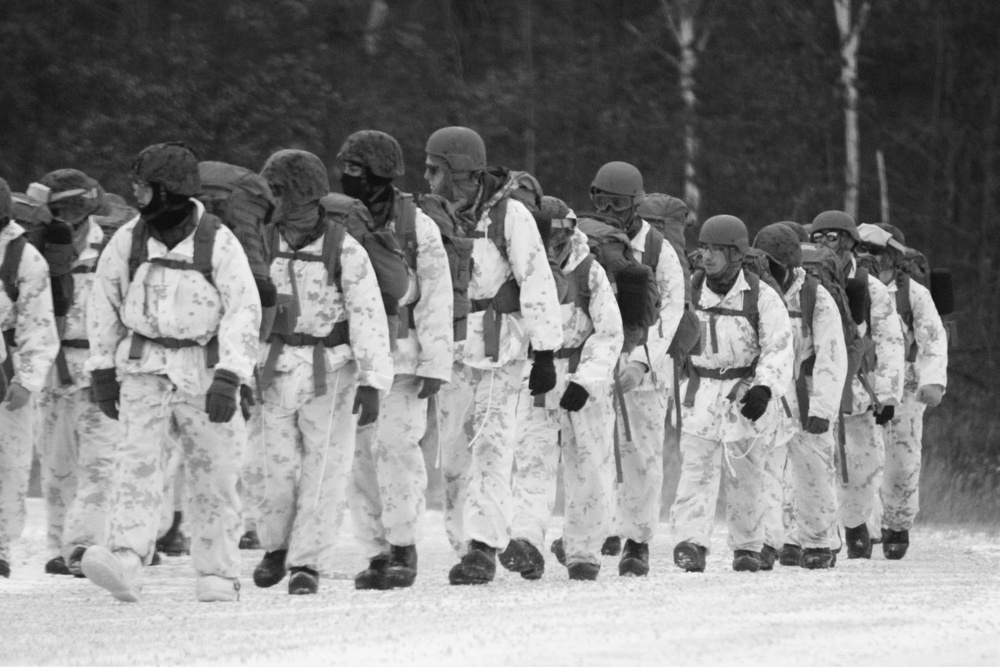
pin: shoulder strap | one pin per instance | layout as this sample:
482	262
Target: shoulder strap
333	241
862	275
697	280
11	264
903	306
137	255
807	302
652	249
495	232
204	244
751	307
581	283
406	228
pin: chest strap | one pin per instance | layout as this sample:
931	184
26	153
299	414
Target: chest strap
507	300
139	342
339	335
695	373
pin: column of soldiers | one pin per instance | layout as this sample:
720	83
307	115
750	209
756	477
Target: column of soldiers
294	368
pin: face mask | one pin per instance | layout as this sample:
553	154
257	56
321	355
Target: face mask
355	186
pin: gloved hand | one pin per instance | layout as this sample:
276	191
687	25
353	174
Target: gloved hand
429	387
630	375
220	399
885	415
930	394
755	402
543	372
574	398
104	390
246	400
366	400
817	425
17	396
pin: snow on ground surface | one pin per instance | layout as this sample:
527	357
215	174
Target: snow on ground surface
939	606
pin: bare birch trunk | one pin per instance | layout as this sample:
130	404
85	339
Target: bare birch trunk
850	37
688	64
883	186
526	10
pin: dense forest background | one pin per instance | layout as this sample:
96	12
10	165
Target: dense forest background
559	87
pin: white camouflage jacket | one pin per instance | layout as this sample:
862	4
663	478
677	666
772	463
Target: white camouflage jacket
321	305
713	416
888	336
31	318
538	322
428	351
931	366
600	333
168	303
670	280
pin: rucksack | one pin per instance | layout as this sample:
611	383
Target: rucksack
458	248
634	282
243	201
10	266
823	265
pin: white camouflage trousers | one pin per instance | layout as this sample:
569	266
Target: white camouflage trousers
639	495
801	492
865	449
389	478
77	445
476	421
150	407
901	479
301	448
692	516
16	441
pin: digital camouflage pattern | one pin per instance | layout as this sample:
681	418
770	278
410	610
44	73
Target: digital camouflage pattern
169	303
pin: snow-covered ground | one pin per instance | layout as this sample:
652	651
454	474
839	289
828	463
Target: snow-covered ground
939	606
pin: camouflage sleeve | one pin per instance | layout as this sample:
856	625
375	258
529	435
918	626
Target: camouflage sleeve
830	370
369	329
433	312
932	343
530	266
888	336
35	334
111	281
670	281
777	354
602	347
239	328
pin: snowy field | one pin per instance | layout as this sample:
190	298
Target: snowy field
939	606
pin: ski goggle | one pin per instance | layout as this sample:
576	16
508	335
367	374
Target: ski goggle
830	235
605	201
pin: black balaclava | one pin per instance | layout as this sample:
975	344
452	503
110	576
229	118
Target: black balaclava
375	192
723	281
166	214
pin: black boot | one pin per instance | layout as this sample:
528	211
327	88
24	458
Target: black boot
303	581
402	569
635	559
521	556
75	561
4	569
250	541
690	557
57	565
790	555
173	542
895	543
745	560
558	551
768	556
612	546
817	559
373	578
859	544
584	571
478	566
271	569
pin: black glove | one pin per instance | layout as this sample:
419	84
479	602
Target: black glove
543	373
574	398
885	415
366	400
755	402
817	425
246	400
104	391
220	400
429	387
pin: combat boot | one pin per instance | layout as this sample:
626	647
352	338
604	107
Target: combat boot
859	544
690	557
74	565
4	569
478	566
817	559
303	581
173	543
401	571
745	560
635	559
250	541
522	557
612	546
271	569
57	565
584	571
116	571
558	550
768	556
211	588
373	578
895	543
790	555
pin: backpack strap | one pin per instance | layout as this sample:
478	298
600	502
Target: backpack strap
495	232
10	266
905	310
807	304
333	242
406	227
578	293
653	247
862	275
